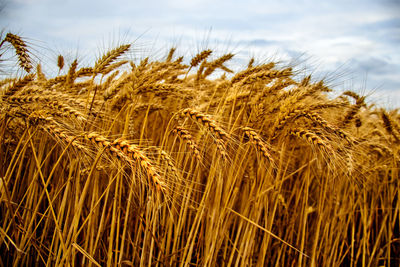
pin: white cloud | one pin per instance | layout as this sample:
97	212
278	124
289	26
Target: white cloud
331	33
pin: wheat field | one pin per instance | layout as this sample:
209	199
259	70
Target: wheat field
183	162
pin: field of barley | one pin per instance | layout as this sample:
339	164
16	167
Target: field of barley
184	162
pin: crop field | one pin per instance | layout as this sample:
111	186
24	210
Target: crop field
183	162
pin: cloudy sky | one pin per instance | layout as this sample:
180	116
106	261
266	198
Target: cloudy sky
355	43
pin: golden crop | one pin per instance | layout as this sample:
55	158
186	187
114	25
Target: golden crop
156	163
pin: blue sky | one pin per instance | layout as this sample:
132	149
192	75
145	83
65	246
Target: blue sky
356	43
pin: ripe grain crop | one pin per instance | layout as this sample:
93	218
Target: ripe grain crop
165	163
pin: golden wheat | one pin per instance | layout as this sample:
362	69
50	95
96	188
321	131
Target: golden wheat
264	167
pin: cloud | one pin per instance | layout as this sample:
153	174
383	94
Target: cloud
261	42
363	35
374	66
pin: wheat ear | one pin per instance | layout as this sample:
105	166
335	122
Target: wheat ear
60	62
310	137
114	88
199	58
251	63
298	112
316	118
213	65
122	149
196	60
187	137
21	51
170	54
82	72
220	135
391	126
109	57
114	66
49	102
71	74
41	78
257	141
61	134
207	122
353	109
18	85
251	70
266	76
